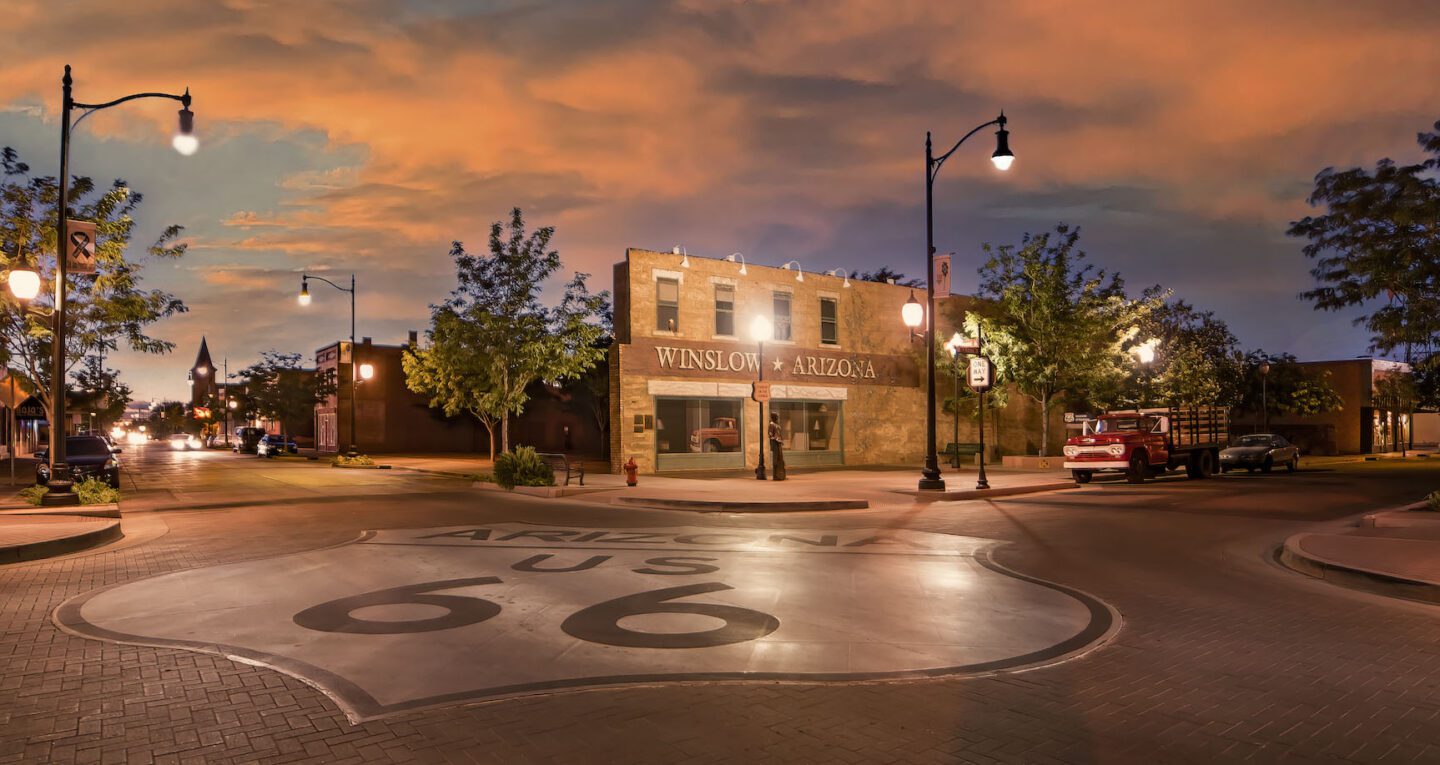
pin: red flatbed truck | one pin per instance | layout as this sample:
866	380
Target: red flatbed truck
1146	442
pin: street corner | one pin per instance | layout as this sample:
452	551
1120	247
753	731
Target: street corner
413	618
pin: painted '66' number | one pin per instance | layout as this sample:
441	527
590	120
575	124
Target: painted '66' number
599	623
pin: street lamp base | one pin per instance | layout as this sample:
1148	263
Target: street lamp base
932	484
64	497
760	474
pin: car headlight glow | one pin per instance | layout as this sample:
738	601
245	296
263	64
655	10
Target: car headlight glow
1071	451
1117	449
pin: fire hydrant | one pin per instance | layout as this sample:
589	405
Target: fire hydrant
630	469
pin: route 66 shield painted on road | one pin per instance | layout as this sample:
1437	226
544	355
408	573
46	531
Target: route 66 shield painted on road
404	619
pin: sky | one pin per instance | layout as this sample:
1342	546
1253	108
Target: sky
364	136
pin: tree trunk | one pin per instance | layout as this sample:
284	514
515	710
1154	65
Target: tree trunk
505	418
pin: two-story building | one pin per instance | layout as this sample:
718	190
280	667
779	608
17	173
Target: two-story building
846	377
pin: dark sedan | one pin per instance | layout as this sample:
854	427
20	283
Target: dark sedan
87	457
271	445
1260	451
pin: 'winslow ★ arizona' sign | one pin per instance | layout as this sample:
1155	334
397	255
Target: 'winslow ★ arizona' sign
782	364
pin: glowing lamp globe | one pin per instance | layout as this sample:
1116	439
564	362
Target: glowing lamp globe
761	329
367	371
24	283
912	313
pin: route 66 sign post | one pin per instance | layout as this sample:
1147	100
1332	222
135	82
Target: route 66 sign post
982	376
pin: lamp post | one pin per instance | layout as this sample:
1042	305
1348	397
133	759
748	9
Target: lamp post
760	328
981	482
1002	158
61	489
304	299
1145	353
954	346
1265	396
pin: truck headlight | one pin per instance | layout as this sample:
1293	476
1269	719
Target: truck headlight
111	464
1071	451
1117	449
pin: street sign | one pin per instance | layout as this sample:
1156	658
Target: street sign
79	246
760	391
942	276
981	373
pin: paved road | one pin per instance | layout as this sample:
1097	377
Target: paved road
1222	654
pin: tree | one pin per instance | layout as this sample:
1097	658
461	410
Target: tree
277	388
1060	326
1290	388
885	275
98	389
494	336
1379	240
168	417
1394	395
1197	359
103	307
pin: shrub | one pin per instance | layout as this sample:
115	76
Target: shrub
32	494
522	467
94	491
483	478
1433	500
356	461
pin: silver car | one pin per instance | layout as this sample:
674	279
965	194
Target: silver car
1260	451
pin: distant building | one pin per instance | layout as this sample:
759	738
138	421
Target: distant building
203	386
1363	424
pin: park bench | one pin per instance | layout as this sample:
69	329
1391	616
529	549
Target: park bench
559	462
954	452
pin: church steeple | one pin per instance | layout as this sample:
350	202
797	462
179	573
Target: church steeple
202	376
202	359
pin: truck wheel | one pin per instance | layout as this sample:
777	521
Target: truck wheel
710	446
1138	468
1200	465
1082	476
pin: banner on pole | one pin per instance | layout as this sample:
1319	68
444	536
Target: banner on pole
942	276
79	246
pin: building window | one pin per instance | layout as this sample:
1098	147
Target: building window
782	316
810	431
829	329
667	305
725	310
695	433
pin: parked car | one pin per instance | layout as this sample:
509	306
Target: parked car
721	436
271	445
87	457
246	439
1260	451
184	442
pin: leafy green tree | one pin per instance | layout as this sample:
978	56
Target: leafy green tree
99	389
1197	359
494	336
1060	327
167	418
278	388
887	275
1377	246
1290	388
102	308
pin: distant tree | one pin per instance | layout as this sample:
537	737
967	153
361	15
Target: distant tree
885	275
277	388
1377	246
1197	359
494	336
167	418
1060	327
99	389
1290	389
103	307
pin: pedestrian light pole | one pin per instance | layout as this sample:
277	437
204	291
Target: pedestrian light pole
354	367
61	487
1265	396
955	346
760	329
1145	353
1002	157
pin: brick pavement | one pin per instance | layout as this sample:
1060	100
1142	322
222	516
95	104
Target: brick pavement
1223	655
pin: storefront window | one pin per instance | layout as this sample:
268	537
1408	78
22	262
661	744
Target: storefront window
782	315
724	310
829	330
699	433
667	305
811	430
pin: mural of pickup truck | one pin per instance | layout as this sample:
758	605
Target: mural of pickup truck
722	436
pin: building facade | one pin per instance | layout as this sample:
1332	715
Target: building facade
846	377
1365	423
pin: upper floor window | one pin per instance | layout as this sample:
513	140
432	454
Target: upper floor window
829	327
782	315
667	305
725	310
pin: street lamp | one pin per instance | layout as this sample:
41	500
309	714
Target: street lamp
954	346
354	378
1002	157
61	488
367	371
1265	395
760	329
24	283
1145	353
799	272
912	313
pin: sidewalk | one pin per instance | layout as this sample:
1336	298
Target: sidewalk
33	537
1395	552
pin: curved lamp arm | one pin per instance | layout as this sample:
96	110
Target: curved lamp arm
940	160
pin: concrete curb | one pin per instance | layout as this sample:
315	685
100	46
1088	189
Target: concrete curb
732	506
51	548
1004	491
1297	559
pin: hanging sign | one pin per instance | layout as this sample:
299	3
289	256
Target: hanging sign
942	276
760	391
79	246
981	373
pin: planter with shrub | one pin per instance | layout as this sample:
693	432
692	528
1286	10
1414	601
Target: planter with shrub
522	467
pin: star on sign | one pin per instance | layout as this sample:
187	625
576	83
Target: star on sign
779	365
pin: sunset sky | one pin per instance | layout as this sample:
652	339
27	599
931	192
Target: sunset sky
364	135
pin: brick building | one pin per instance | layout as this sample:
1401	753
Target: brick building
847	378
